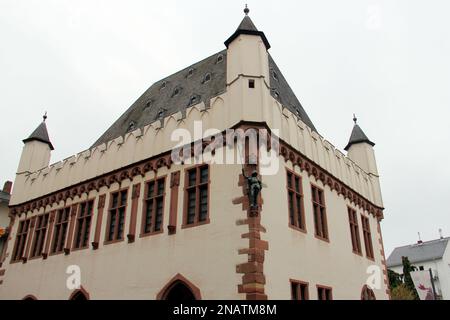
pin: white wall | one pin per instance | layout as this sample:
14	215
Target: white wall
301	256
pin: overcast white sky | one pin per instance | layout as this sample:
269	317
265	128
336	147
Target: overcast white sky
86	62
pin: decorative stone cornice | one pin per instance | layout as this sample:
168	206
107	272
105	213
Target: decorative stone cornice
288	152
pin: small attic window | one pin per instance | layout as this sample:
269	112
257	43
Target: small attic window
131	126
163	85
251	83
190	72
274	75
219	58
276	94
176	91
193	100
207	78
148	104
160	114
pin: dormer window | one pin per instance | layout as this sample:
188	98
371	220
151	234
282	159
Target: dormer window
274	75
190	72
131	126
160	114
148	104
163	85
207	78
276	94
193	100
219	58
176	91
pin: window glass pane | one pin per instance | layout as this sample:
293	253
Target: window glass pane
204	175
291	208
159	214
121	222
82	209
299	211
192	177
114	200
297	184
112	225
160	187
203	203
191	207
86	233
294	291
148	216
151	189
123	198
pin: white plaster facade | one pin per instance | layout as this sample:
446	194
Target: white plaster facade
207	255
441	272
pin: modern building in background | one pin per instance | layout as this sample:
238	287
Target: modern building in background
140	225
434	255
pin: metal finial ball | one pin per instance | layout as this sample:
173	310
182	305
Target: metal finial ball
246	10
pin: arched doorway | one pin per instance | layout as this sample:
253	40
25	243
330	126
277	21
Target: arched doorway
80	294
367	293
29	297
179	289
179	292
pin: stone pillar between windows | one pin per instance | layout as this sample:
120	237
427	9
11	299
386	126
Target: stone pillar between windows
174	186
51	222
133	216
98	225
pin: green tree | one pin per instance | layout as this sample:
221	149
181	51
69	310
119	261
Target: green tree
407	268
395	279
402	292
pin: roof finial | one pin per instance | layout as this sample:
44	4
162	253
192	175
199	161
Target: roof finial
44	116
246	10
354	118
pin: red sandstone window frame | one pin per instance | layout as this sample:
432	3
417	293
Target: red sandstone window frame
84	221
196	187
21	240
324	293
59	239
299	290
116	211
319	213
367	235
39	234
354	231
154	198
296	190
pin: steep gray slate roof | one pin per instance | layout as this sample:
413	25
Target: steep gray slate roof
426	251
163	96
357	136
282	92
40	134
180	88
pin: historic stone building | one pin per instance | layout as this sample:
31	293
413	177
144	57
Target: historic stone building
133	223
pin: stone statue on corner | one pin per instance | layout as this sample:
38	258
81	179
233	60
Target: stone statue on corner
254	186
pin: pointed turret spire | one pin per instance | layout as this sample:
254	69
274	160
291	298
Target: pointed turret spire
40	133
357	135
247	27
